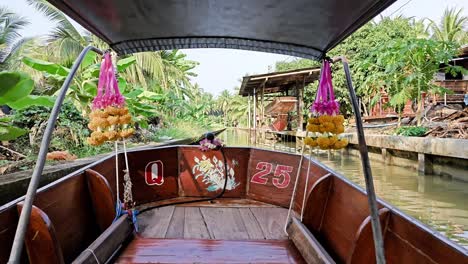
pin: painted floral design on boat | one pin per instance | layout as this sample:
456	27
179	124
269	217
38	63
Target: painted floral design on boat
212	172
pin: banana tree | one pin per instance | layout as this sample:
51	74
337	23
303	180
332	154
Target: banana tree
15	91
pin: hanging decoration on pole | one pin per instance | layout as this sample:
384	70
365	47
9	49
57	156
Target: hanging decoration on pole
110	120
326	122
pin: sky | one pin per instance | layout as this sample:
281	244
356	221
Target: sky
221	69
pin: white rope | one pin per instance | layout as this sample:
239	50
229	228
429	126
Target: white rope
295	186
95	257
125	153
306	184
128	195
117	171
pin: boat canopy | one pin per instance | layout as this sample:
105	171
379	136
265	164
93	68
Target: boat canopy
304	28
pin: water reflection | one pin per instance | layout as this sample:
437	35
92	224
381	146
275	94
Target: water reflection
438	202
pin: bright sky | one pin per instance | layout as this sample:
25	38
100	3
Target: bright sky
231	65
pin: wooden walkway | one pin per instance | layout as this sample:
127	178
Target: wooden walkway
213	223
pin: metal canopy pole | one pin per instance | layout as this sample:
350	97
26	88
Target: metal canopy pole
23	222
372	199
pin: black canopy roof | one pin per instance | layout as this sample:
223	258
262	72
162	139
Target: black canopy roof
305	28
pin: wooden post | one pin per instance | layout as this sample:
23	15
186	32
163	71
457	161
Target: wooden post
262	112
300	103
424	164
255	114
249	121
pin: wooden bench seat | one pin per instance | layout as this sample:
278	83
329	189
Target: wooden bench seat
150	250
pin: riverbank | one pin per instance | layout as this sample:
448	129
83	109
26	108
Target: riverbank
445	157
437	201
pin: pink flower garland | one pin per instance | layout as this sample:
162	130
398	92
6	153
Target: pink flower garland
325	103
108	93
207	144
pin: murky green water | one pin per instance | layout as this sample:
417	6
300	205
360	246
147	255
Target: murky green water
437	202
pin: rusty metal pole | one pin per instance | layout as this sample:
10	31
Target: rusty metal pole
372	198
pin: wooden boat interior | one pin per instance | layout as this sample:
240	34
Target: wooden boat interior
74	218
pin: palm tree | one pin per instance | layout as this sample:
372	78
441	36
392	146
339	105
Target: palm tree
223	104
170	68
10	39
65	39
452	27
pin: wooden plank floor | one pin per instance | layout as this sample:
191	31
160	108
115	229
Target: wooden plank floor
213	223
147	250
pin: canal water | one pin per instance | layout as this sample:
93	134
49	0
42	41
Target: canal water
441	203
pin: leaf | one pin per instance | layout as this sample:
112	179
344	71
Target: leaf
8	132
125	63
88	60
14	86
45	66
6	119
31	100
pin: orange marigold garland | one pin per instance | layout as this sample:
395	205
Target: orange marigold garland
326	123
109	118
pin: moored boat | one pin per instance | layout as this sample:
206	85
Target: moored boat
74	218
235	205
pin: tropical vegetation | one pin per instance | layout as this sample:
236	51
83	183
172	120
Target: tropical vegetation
398	56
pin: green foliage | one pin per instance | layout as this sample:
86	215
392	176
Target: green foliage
9	132
47	67
15	89
14	86
406	68
70	132
10	39
452	27
411	131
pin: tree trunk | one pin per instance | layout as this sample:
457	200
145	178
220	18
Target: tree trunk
419	109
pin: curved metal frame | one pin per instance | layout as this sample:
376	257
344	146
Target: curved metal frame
23	222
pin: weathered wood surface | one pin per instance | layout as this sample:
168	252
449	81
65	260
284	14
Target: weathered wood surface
272	221
154	223
194	224
101	198
176	225
271	176
143	250
220	202
251	224
213	223
191	185
364	242
107	243
337	214
41	241
307	244
138	162
224	223
69	208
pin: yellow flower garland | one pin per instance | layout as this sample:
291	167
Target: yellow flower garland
329	128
